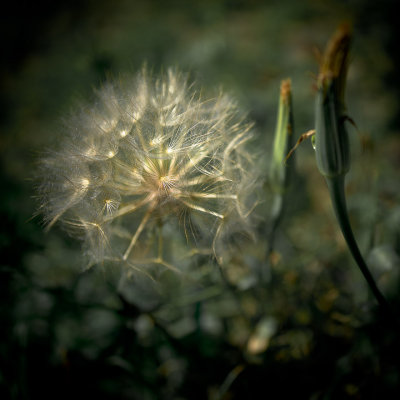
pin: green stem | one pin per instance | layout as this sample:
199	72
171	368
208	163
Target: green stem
267	273
336	190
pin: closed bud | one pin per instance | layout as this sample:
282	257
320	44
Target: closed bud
331	140
278	173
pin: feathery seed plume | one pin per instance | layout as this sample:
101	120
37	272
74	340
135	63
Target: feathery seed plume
150	152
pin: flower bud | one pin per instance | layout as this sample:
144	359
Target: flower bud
331	140
278	173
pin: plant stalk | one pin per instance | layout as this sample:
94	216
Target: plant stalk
336	190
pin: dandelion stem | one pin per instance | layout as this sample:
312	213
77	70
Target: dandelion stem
336	190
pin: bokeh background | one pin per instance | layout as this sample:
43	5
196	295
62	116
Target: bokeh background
310	328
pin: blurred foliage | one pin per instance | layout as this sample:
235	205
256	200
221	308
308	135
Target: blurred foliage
309	327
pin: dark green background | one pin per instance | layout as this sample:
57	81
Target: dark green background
66	333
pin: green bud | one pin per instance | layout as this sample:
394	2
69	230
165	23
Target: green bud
331	139
278	172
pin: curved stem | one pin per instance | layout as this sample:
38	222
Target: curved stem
336	190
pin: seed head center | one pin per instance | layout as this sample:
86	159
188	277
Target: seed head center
166	182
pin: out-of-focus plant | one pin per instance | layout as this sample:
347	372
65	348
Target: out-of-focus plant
149	154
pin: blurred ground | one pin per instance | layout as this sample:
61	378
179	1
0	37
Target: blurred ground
313	330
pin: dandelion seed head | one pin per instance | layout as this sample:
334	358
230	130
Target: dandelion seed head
150	152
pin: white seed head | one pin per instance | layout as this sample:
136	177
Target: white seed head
150	153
